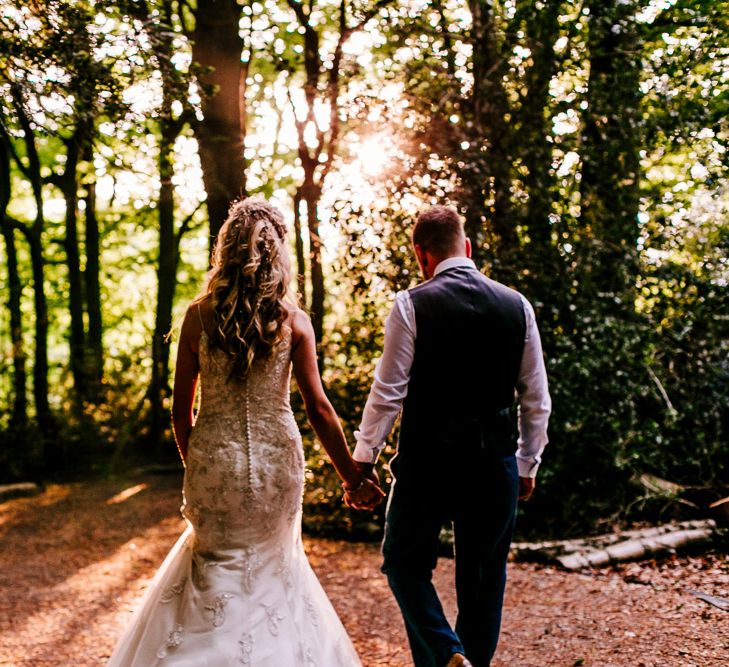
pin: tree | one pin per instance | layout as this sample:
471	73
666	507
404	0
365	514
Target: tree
610	185
34	235
170	126
221	73
318	145
92	282
19	416
161	24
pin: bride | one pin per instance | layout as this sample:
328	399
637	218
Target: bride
237	588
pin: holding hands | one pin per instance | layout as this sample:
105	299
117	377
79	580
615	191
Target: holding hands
366	494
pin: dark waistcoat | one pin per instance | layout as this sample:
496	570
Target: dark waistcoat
468	348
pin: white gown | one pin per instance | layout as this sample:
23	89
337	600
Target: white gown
237	588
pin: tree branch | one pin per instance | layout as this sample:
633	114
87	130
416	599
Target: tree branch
9	146
185	225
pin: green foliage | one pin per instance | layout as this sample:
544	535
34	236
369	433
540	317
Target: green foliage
533	118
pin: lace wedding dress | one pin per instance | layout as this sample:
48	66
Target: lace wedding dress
237	588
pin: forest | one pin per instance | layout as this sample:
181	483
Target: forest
583	141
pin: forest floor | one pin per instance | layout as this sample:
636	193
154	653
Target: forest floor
76	559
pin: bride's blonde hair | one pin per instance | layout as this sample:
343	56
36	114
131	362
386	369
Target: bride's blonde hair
248	283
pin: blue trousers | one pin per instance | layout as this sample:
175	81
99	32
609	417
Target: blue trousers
479	496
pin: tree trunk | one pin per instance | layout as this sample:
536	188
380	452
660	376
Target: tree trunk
166	279
92	284
20	401
489	105
541	254
543	28
34	236
300	260
40	365
19	416
216	49
173	86
610	155
311	194
77	337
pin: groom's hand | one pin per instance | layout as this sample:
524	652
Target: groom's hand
370	495
368	472
526	487
366	497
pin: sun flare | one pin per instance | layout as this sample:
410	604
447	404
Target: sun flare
371	155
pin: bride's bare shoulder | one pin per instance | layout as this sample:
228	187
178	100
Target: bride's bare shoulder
299	322
198	318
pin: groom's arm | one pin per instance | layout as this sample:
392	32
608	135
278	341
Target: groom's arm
390	385
534	401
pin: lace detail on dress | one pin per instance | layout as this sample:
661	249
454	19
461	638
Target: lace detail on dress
274	618
251	564
311	609
172	591
246	648
284	569
217	608
174	639
307	657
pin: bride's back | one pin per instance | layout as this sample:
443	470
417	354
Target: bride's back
265	387
245	462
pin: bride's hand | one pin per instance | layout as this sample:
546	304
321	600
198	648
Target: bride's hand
366	496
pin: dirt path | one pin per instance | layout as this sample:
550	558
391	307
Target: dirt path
75	560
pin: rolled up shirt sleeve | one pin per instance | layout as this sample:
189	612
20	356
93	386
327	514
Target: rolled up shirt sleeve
535	404
390	386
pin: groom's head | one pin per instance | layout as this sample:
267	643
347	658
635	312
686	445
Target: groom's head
437	235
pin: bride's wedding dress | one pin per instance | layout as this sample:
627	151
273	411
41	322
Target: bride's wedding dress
237	588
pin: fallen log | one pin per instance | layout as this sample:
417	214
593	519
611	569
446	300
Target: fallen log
603	550
19	490
721	603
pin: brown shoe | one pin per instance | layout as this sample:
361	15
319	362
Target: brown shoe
458	660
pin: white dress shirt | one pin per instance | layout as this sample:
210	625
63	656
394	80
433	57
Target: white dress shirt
392	375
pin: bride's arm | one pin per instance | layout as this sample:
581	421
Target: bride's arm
319	410
186	374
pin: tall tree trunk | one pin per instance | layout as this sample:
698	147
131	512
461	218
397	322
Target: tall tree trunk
541	254
311	195
77	337
40	363
92	283
610	153
310	189
166	278
489	106
300	259
174	86
542	31
216	49
20	399
34	236
19	416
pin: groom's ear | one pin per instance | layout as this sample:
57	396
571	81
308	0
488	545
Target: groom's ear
468	247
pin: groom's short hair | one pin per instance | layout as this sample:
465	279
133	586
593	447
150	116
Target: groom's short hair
439	230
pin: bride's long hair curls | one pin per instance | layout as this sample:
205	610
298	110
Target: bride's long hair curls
248	283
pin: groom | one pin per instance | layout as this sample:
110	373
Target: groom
457	348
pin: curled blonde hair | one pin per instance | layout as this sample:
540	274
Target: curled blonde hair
248	283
